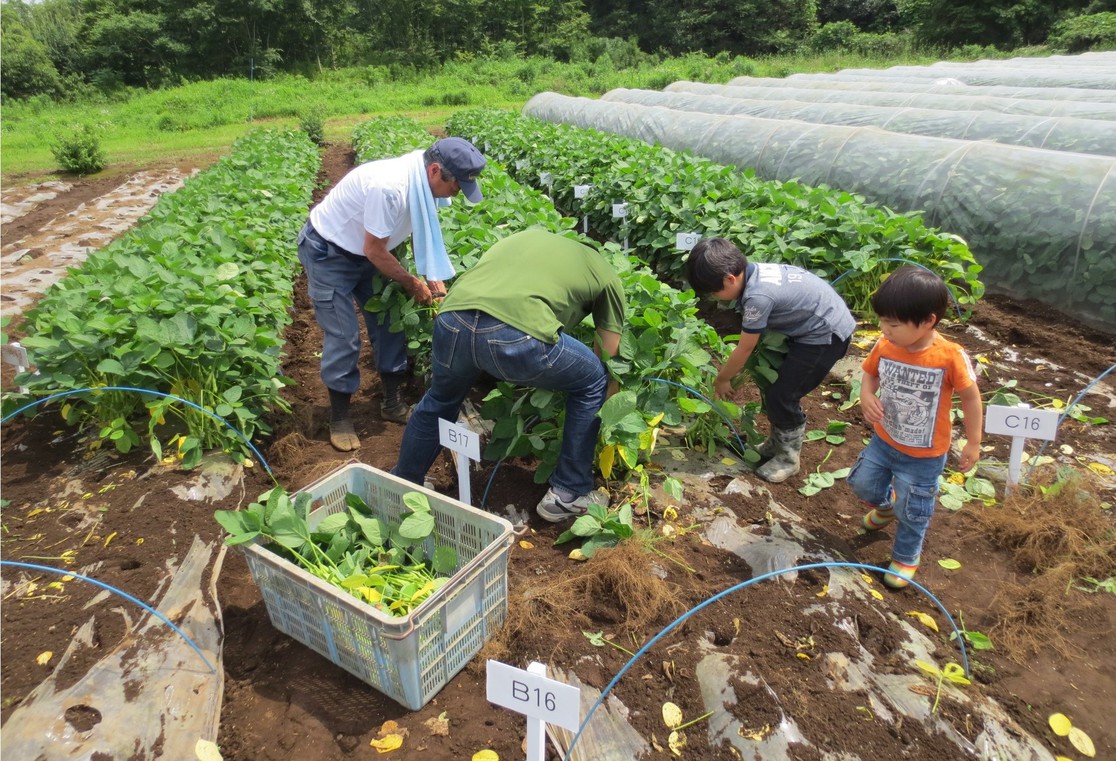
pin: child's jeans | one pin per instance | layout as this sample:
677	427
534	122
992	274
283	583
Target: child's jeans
881	466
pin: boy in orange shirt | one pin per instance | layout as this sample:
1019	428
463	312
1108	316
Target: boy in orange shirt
916	371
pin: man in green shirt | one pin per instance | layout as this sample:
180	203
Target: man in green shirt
508	317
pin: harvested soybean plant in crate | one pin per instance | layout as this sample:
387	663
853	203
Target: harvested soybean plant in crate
396	584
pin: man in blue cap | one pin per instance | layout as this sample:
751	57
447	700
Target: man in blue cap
349	239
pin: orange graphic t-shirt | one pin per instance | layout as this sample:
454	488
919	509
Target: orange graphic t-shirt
916	389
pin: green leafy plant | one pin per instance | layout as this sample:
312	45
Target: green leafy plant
1097	585
381	564
819	480
598	639
599	527
831	435
976	640
952	672
78	150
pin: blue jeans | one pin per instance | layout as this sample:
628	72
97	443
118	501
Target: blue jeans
881	466
336	281
470	343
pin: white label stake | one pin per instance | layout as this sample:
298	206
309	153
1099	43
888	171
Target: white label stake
466	443
540	699
1021	423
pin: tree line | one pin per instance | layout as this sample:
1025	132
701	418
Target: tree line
63	47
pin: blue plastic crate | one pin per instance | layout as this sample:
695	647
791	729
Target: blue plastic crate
408	658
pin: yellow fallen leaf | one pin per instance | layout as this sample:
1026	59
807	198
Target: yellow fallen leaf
206	750
676	742
824	592
526	545
754	734
876	593
44	658
486	755
1057	404
672	714
439	725
387	743
1082	742
867	579
140	540
670	513
1060	724
728	461
109	538
924	619
1062	758
957	478
1100	469
668	530
803	656
577	555
388	727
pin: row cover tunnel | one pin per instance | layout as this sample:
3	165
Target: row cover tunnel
1028	182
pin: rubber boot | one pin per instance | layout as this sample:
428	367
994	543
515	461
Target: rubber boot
787	443
766	450
341	432
392	407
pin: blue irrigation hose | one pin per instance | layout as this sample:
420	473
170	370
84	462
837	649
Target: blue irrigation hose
37	402
741	585
116	591
1064	415
956	304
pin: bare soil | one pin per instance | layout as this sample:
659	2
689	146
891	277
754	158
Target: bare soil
120	518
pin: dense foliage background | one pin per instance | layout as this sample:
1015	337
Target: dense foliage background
64	48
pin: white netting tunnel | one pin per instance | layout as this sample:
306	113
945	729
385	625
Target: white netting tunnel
976	101
1086	70
1041	221
1060	133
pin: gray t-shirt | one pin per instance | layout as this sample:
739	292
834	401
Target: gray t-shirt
795	302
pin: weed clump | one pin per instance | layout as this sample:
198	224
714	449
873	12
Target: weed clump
617	587
1058	534
78	151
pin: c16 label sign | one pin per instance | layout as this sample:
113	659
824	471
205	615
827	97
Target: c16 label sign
1021	421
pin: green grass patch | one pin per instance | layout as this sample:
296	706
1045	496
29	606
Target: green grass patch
204	118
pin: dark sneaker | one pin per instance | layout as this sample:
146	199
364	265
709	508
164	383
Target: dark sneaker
396	413
554	509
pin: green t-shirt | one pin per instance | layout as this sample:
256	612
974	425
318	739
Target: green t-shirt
541	283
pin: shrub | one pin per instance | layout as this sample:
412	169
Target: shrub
311	121
836	35
79	150
1096	31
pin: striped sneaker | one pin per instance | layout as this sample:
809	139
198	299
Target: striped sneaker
899	574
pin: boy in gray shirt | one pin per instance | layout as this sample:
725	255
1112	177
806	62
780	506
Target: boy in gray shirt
781	297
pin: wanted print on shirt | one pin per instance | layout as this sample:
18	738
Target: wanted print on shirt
910	395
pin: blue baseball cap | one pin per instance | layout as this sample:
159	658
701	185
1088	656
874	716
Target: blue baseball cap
461	159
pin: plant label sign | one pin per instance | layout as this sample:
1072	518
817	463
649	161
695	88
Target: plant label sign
540	699
619	210
1021	423
580	191
466	443
687	241
547	179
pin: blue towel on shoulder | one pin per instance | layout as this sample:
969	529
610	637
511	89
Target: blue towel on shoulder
431	259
